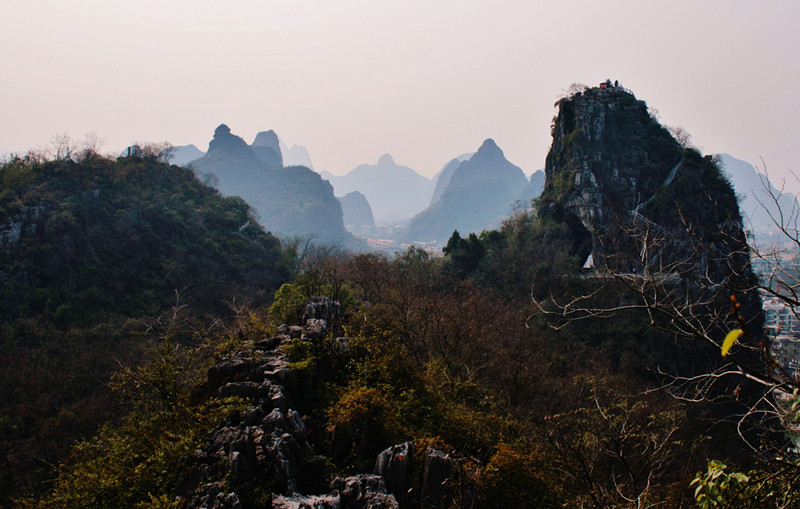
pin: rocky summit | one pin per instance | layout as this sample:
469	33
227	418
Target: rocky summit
615	175
267	445
267	148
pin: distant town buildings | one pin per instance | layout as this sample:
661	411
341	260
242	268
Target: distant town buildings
782	327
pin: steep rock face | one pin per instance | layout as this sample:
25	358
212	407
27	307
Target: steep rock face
290	201
613	173
357	214
267	148
481	192
395	192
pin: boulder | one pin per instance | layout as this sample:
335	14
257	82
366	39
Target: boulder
437	475
394	466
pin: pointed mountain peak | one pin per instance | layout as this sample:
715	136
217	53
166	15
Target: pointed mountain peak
489	144
489	151
221	131
266	139
386	160
226	141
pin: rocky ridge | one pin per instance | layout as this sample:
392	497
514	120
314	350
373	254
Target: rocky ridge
266	446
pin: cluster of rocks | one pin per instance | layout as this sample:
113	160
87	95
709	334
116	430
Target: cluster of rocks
265	448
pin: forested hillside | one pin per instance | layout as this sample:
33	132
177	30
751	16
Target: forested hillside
92	250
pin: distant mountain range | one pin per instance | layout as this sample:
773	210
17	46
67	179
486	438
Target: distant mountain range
471	192
296	155
291	201
394	192
480	193
182	155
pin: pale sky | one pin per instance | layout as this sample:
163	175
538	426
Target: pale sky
422	80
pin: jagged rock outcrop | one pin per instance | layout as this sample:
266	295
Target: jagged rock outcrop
364	491
357	214
319	311
394	465
266	444
614	175
266	146
480	194
438	473
291	201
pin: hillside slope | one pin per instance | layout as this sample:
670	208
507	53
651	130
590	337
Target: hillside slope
92	253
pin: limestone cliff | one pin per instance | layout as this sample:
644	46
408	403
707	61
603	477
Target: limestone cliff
267	148
616	176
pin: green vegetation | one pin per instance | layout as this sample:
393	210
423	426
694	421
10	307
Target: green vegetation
92	252
532	418
134	462
99	239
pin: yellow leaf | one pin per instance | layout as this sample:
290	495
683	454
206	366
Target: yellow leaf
730	339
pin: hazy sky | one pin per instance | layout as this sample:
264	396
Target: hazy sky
424	81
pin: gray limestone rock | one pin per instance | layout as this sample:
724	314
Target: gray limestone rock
437	475
306	502
394	465
364	492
